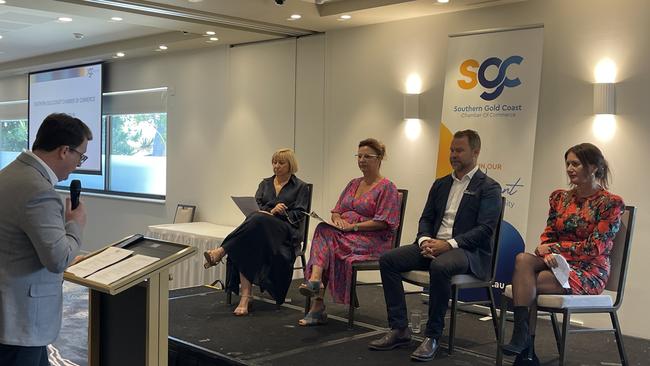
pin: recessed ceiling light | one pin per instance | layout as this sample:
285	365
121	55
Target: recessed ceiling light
345	17
65	19
214	39
116	19
120	54
162	47
443	1
0	37
3	2
295	16
210	33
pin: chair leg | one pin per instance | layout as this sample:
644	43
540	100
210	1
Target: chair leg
565	335
556	332
304	264
452	325
493	311
227	285
619	338
353	298
502	326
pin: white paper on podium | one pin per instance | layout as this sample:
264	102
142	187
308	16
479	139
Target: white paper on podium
122	269
247	205
562	270
101	260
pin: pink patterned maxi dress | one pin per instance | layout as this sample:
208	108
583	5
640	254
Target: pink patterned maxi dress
335	250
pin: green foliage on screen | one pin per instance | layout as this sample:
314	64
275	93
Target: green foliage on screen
139	134
13	135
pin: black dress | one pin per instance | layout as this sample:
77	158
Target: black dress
263	248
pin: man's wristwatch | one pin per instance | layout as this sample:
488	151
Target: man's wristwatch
355	227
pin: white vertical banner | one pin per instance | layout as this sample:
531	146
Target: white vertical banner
492	86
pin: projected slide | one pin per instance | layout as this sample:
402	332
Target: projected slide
76	91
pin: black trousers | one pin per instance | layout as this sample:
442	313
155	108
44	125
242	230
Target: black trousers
262	250
441	269
23	356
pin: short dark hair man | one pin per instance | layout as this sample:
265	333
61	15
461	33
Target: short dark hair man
454	237
39	237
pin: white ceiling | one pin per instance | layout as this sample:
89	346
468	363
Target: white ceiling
32	36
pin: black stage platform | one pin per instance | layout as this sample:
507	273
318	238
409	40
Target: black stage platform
203	331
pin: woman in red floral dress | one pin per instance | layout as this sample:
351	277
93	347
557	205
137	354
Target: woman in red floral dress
581	226
366	218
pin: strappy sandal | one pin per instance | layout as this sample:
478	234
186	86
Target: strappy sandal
211	261
314	318
244	310
310	288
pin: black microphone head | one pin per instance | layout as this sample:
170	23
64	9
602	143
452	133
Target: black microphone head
75	185
75	191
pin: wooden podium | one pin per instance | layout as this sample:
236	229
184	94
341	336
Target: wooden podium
128	319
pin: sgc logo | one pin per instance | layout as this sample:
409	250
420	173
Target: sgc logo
494	87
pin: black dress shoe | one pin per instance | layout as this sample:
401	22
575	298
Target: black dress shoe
426	351
393	339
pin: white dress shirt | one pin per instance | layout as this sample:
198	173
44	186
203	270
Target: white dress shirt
456	192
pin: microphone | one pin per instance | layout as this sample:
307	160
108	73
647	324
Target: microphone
75	191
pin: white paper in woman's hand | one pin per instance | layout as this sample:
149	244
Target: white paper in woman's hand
562	270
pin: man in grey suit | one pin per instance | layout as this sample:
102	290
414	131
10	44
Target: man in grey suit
39	237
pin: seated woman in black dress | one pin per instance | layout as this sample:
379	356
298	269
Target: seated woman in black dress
262	250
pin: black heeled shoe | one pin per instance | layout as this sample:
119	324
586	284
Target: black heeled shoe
526	358
521	339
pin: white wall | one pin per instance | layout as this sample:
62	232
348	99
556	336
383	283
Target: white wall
232	107
13	88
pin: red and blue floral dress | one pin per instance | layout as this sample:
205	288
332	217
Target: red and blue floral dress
582	230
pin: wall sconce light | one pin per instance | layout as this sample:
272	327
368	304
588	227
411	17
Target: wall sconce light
412	96
413	127
604	126
411	106
604	98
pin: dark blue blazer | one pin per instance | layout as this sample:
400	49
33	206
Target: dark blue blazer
475	222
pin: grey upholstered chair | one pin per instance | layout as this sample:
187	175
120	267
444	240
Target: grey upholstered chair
583	304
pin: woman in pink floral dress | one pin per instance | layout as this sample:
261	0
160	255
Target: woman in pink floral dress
365	219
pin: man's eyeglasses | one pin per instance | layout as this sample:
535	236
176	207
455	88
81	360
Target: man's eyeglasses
82	157
366	156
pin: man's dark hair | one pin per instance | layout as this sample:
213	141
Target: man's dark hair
472	137
60	129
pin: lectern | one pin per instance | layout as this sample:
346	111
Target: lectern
128	319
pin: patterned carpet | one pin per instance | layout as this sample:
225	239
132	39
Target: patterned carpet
71	347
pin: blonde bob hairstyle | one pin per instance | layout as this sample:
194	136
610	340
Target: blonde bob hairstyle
288	156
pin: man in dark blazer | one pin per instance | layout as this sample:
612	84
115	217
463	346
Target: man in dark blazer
454	237
39	237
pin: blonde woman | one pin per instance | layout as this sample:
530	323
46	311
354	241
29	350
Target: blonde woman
263	248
